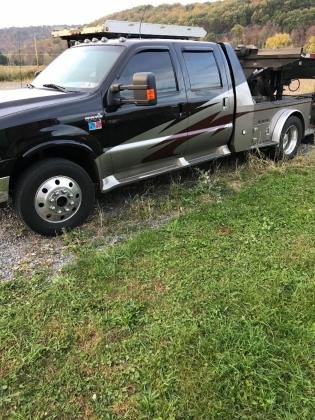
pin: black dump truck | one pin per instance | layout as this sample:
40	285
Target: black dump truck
134	102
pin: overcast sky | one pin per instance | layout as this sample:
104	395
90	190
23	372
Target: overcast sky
66	12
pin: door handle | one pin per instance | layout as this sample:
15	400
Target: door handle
225	102
181	111
180	108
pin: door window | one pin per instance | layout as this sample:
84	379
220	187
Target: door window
202	69
157	62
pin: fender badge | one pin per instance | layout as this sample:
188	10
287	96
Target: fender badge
95	117
95	125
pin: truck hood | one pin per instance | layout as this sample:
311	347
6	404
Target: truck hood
20	100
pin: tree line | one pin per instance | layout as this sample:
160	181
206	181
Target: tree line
264	23
237	21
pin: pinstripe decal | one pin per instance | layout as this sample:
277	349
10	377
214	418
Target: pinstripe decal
172	142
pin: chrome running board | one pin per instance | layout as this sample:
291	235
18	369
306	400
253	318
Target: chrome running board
117	180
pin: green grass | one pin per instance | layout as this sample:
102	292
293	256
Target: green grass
209	316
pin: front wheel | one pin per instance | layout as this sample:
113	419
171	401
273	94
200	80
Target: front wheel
54	195
290	139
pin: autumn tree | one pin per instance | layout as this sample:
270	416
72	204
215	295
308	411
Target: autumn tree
310	46
279	40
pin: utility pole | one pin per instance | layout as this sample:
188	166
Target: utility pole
36	52
20	59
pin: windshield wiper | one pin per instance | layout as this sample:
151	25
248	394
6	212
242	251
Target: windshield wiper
56	87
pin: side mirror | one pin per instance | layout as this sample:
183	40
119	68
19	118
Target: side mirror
144	88
145	92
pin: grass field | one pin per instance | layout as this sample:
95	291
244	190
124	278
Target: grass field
208	316
14	73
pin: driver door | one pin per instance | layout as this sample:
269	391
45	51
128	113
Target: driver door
146	137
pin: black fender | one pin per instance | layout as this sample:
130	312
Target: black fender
53	144
76	151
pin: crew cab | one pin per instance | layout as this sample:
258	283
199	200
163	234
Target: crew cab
111	111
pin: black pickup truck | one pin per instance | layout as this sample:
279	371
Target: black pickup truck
108	112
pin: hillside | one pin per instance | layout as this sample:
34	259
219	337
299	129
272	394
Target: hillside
236	21
251	21
13	39
221	16
9	37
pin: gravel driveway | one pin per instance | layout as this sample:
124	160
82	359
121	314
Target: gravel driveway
24	251
20	249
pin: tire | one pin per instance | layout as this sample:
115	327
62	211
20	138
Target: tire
54	195
290	139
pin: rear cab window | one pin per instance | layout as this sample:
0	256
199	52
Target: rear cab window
202	68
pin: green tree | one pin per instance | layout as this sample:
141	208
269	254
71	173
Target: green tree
3	60
238	33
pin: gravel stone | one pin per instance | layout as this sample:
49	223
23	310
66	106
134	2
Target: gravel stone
22	251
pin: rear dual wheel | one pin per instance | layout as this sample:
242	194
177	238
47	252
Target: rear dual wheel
54	195
290	139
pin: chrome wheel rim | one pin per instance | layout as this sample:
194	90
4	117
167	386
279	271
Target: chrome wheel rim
58	199
290	140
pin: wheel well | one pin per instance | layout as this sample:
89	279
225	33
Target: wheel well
74	154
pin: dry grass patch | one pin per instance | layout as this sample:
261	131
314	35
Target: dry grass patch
301	86
15	73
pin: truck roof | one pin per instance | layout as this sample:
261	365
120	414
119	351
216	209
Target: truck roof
113	29
132	41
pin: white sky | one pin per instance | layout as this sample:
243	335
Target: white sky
67	12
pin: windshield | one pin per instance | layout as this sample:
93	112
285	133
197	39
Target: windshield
79	68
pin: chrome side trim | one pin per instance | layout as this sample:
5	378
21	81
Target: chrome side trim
261	145
309	132
4	189
110	182
225	150
182	162
220	152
